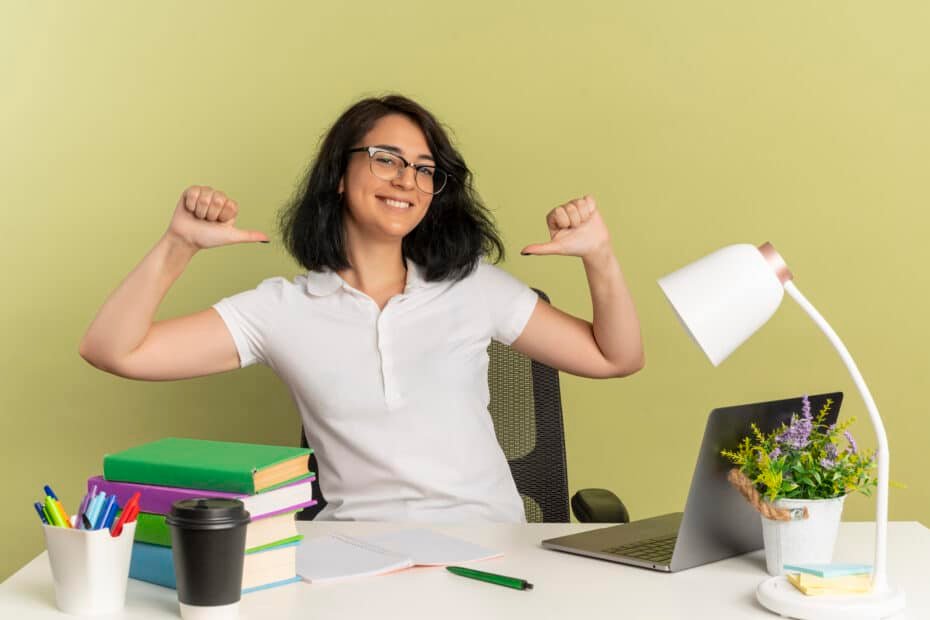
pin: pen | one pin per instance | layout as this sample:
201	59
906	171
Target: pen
93	509
129	515
111	516
134	512
501	580
50	494
84	503
64	514
54	518
87	517
124	517
41	510
105	513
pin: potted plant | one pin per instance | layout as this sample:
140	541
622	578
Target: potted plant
806	464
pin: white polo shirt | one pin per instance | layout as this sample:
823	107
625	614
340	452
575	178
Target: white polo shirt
395	401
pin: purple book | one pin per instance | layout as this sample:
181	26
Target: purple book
158	499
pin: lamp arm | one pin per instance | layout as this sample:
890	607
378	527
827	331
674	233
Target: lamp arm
879	575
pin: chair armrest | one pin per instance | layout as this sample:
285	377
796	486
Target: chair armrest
599	506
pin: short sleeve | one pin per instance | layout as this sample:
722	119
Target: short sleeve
510	302
250	316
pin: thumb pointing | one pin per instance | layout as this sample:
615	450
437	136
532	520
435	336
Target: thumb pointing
249	236
541	249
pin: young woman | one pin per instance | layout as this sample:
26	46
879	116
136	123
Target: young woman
383	341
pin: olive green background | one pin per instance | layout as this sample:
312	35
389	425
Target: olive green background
695	125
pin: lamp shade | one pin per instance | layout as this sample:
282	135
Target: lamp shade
724	297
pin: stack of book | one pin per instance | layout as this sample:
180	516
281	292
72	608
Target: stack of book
833	579
273	482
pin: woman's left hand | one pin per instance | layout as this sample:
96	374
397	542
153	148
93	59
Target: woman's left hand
575	229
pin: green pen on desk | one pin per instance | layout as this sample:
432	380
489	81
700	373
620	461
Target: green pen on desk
509	582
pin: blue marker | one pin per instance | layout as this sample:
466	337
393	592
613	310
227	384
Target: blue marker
93	511
105	513
41	510
50	492
111	516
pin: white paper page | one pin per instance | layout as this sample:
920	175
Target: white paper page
429	548
334	557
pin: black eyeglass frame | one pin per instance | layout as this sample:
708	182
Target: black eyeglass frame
371	150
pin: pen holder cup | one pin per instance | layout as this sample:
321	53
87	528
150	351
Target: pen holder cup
90	568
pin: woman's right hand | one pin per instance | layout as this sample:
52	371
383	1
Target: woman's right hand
206	218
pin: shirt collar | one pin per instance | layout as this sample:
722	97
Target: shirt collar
415	277
327	282
322	283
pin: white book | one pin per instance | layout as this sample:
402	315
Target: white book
335	557
276	501
270	566
261	532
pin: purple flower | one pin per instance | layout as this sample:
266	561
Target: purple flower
853	448
774	454
831	450
829	459
798	433
827	463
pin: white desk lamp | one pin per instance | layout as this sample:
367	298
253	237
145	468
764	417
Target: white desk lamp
722	299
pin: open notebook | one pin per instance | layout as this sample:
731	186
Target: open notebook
334	557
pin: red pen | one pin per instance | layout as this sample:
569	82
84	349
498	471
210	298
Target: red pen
129	511
128	516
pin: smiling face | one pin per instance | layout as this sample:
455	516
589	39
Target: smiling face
385	210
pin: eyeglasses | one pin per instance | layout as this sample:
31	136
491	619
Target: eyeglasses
389	166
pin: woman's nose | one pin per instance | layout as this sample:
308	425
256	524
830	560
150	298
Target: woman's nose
406	178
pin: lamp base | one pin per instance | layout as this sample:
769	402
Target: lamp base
778	595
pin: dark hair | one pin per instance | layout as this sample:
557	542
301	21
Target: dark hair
455	234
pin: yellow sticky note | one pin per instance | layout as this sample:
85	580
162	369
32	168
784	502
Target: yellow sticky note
813	585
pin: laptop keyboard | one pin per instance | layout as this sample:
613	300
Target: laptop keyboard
657	550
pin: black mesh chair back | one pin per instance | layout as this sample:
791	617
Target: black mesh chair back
526	407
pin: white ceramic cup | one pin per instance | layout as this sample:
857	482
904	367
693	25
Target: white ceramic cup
90	568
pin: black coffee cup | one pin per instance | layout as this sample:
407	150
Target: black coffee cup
208	544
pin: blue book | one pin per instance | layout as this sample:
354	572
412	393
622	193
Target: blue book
829	570
155	564
273	584
152	563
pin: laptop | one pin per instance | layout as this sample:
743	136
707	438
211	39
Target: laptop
718	522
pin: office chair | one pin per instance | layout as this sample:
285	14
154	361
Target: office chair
526	408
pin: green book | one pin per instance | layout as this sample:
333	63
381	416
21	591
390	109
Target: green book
260	535
208	465
152	529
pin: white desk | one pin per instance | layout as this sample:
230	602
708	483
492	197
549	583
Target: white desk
566	586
